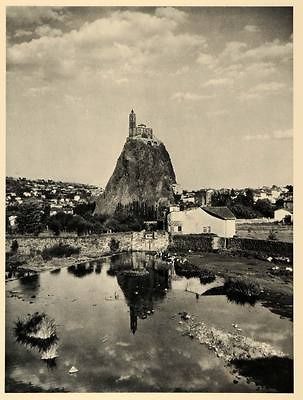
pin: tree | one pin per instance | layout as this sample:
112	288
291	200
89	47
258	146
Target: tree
84	209
265	208
14	246
279	204
290	188
29	219
241	211
221	199
114	245
246	198
249	198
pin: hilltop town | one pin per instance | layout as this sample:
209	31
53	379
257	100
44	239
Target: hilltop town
56	197
142	192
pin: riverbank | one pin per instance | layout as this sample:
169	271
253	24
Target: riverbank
244	356
277	292
36	265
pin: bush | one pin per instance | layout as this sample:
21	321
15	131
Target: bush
242	290
59	250
114	245
272	235
14	246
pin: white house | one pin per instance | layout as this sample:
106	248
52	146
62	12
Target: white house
218	220
281	213
12	220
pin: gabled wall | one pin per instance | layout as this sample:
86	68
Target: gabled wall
193	221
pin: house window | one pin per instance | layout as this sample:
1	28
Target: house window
179	228
204	229
209	229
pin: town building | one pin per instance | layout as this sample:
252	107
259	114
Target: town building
281	213
218	220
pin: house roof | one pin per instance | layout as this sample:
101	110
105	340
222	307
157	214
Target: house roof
219	212
284	209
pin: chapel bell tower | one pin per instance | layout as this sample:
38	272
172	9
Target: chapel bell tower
132	124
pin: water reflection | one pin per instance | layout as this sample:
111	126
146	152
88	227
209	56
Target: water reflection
82	269
190	271
30	284
158	357
141	292
241	299
231	297
38	332
56	271
143	281
275	373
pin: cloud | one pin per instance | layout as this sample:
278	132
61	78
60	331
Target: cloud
283	134
25	16
260	69
125	40
122	81
171	13
270	50
237	51
72	100
206	59
46	30
233	50
268	87
232	71
262	89
182	70
264	136
38	91
218	82
22	33
217	113
251	28
276	135
188	96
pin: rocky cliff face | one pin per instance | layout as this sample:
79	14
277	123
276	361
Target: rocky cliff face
143	175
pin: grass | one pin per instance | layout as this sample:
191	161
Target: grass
189	270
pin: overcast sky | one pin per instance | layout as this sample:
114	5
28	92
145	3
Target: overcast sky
214	83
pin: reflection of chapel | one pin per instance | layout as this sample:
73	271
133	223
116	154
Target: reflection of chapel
140	131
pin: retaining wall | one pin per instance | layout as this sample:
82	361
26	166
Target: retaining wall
97	245
93	245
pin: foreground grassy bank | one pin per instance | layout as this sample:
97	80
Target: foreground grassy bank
276	289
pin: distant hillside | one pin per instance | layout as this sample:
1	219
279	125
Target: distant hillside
143	176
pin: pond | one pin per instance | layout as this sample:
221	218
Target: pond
121	331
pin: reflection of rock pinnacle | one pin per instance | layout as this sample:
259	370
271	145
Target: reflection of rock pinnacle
133	320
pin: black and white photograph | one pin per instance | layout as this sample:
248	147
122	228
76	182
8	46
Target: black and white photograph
149	199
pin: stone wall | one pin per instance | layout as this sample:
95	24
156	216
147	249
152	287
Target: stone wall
263	220
266	247
97	245
94	245
154	241
197	242
210	243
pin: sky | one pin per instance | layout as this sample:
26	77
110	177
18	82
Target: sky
214	83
